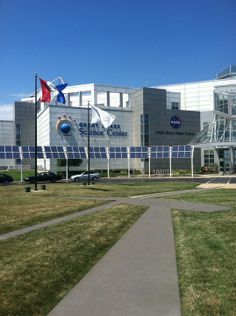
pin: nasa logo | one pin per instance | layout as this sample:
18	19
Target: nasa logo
175	122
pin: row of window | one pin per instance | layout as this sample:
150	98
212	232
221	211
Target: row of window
112	99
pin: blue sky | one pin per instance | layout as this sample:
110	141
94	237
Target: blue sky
123	42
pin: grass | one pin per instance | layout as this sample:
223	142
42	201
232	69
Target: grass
123	189
219	196
19	209
43	266
206	256
39	268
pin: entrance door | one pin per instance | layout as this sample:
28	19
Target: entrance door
224	160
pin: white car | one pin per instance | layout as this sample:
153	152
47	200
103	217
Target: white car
84	177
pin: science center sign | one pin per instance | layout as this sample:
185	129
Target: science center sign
97	130
66	126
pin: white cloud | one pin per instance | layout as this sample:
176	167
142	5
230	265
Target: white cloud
6	112
17	95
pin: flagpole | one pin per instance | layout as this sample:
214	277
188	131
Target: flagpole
88	121
35	134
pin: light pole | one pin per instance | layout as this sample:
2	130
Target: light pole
88	122
35	134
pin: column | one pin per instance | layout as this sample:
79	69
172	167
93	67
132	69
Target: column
108	98
121	100
231	160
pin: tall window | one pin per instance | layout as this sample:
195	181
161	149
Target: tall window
144	126
221	103
233	100
174	105
208	157
102	98
233	130
18	135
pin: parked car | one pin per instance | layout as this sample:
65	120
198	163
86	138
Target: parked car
4	178
84	177
44	176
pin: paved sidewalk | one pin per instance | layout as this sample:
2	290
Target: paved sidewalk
138	275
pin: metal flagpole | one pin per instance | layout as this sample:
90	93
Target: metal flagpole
88	121
149	162
108	161
35	134
192	152
128	156
21	171
170	160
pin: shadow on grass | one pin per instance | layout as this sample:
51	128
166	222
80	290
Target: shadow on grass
98	189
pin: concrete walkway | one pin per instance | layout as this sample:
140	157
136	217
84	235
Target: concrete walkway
138	275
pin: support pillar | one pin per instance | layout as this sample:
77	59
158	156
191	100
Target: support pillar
231	160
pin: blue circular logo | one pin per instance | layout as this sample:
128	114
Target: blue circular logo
175	121
65	128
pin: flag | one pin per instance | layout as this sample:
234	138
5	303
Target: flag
60	96
46	91
51	92
102	116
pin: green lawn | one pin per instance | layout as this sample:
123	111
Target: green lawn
38	269
19	209
206	256
116	189
42	266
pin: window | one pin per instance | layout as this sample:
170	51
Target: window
114	99
125	100
102	98
18	135
144	132
233	105
174	105
221	102
85	97
80	98
74	99
208	157
205	124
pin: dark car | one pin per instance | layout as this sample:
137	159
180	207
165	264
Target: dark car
4	178
44	176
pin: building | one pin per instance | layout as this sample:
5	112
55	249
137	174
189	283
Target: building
199	113
216	102
7	137
144	117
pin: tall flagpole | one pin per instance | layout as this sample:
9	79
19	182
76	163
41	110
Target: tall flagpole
35	134
88	121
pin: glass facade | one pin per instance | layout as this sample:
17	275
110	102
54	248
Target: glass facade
221	130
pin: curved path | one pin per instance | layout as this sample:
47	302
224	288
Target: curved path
138	275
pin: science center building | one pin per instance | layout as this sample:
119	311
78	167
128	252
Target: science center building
143	118
199	114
